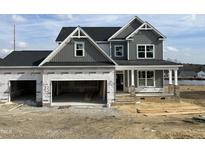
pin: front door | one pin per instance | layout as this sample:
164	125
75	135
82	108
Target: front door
119	82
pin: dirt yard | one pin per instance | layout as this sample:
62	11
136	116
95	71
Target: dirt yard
117	122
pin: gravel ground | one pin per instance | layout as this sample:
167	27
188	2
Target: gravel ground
95	122
82	122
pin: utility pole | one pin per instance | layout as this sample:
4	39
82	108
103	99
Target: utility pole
14	37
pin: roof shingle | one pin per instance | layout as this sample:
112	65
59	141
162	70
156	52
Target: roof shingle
25	58
96	33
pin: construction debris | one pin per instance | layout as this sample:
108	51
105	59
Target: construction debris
15	107
199	119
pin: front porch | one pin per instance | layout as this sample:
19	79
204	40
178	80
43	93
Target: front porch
145	80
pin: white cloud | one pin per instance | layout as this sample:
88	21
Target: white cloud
21	45
18	18
171	49
190	18
65	16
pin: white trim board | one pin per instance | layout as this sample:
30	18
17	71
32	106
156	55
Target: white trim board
147	67
125	26
67	40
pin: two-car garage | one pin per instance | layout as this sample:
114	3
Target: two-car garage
63	92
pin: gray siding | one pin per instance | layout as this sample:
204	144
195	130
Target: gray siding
105	47
145	37
133	25
124	43
159	79
92	54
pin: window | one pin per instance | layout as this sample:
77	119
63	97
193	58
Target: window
79	49
146	78
119	50
145	51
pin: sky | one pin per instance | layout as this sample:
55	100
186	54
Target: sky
185	33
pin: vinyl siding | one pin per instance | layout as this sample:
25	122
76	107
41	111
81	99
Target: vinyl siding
92	54
134	25
105	47
158	78
124	43
145	37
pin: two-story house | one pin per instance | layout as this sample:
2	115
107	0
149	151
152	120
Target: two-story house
90	65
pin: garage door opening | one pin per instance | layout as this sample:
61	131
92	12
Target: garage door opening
79	92
23	91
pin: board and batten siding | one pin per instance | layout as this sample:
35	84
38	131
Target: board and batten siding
129	29
105	47
158	78
124	43
67	54
146	37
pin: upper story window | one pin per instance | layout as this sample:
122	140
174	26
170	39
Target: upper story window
79	49
145	51
119	50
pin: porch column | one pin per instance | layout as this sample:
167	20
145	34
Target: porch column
132	78
128	79
170	76
132	83
175	78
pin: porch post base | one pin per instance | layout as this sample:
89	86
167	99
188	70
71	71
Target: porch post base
176	91
170	88
132	90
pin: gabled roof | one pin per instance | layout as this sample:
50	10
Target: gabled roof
77	31
25	58
145	26
125	26
96	33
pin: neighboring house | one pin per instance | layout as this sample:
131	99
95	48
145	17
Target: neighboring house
90	65
187	74
201	74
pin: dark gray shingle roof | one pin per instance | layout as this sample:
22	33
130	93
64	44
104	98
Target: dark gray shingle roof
145	62
96	33
78	63
25	58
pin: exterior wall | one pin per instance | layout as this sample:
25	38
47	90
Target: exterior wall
92	54
16	74
105	47
101	74
124	43
145	37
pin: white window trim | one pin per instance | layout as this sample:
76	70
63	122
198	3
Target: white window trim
115	46
76	49
145	51
146	79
